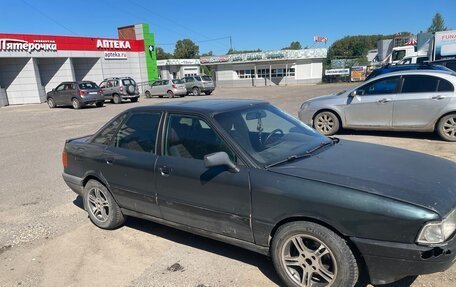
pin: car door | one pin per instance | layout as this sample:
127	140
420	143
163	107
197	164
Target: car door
372	106
164	87
212	199
58	95
420	101
130	161
189	83
105	91
155	88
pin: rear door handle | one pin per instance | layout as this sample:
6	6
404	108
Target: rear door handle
165	171
109	162
382	101
439	97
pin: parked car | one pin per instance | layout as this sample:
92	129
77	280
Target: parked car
423	101
199	84
76	94
246	173
118	89
170	88
449	63
396	68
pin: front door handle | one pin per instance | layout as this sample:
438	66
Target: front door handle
109	162
165	171
439	97
385	100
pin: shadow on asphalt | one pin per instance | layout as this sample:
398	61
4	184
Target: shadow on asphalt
393	134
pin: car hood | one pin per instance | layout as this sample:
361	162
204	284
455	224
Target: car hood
403	175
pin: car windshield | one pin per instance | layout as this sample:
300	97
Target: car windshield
178	81
88	86
206	78
127	82
268	134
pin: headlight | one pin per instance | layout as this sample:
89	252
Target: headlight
438	232
305	105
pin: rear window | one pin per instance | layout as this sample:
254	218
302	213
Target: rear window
445	86
127	82
178	81
206	78
88	86
419	84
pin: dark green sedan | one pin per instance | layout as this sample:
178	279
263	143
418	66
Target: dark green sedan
329	212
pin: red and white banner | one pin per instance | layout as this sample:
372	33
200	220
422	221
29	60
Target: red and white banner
37	43
321	39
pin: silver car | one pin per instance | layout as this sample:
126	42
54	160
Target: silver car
418	100
170	88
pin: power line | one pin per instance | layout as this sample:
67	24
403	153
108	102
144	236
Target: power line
50	18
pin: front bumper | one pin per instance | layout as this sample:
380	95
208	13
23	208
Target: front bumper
388	262
306	116
75	183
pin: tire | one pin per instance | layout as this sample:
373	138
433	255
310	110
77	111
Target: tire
326	256
117	99
130	89
51	103
100	205
446	128
134	100
99	104
160	97
208	93
327	123
170	94
148	94
76	103
196	91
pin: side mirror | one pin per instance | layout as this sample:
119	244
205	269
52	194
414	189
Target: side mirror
353	94
220	159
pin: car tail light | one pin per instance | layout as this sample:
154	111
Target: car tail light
83	92
100	91
121	89
65	159
174	86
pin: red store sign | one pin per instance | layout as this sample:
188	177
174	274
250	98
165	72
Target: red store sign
37	43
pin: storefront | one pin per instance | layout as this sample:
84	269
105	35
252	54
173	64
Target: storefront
281	67
31	65
178	68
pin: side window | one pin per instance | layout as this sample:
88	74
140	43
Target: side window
138	132
379	87
419	84
156	83
105	135
445	86
192	137
60	88
109	84
74	87
103	85
166	82
116	83
190	80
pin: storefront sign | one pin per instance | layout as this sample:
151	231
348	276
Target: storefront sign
358	73
445	45
114	55
113	44
334	72
12	45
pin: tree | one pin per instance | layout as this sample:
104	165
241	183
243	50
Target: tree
162	55
438	24
208	54
186	49
293	46
232	51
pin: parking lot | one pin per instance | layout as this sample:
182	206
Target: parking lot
46	238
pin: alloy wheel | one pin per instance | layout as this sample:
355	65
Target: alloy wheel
308	261
449	127
98	204
325	123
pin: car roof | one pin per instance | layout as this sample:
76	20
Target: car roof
201	106
410	67
440	73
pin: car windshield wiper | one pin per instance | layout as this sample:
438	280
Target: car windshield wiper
306	154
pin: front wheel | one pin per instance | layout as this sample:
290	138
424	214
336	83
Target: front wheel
101	206
51	103
307	254
196	91
327	123
148	94
446	128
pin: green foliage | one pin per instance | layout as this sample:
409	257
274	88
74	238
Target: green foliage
232	51
293	46
208	54
162	55
186	49
438	24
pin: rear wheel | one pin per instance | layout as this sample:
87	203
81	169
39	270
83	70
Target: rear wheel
134	100
99	104
307	254
170	94
327	123
148	94
196	91
101	206
446	128
76	104
117	99
51	103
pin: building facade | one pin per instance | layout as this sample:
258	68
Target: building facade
271	68
31	65
178	68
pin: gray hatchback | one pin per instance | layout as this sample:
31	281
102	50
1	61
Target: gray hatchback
421	101
76	94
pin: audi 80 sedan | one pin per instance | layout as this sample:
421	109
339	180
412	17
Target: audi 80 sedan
327	211
419	100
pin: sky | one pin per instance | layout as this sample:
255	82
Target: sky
267	25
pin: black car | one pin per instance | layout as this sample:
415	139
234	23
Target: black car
244	172
448	63
395	68
76	94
